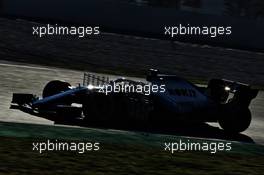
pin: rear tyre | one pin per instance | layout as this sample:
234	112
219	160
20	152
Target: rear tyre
235	119
55	87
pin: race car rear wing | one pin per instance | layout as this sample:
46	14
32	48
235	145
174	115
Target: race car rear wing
242	93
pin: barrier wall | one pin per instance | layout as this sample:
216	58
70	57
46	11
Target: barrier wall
122	17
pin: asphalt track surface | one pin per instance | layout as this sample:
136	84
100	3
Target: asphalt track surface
21	78
115	53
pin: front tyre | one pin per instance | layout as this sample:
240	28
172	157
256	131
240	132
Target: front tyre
55	87
235	119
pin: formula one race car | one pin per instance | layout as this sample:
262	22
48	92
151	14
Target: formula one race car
160	100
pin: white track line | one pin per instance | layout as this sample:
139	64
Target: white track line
24	66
